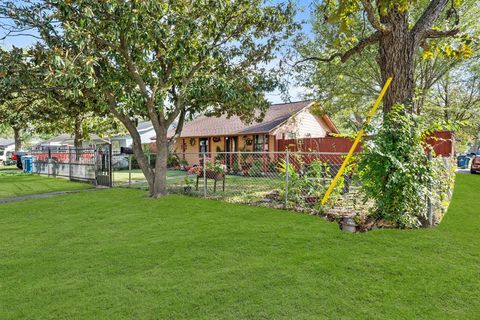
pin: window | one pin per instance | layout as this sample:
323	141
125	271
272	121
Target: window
203	145
261	143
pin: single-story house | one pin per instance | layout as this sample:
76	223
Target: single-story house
222	134
145	129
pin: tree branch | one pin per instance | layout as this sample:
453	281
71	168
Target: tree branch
428	18
430	34
361	45
367	5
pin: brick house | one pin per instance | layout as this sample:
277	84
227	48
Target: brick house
221	134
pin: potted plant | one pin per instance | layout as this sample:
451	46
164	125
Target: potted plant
215	170
188	184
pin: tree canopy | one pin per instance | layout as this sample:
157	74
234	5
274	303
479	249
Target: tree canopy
162	60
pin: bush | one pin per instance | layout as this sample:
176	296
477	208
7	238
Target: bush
395	171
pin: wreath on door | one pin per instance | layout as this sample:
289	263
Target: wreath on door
192	141
216	139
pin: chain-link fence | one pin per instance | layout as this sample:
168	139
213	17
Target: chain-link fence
295	180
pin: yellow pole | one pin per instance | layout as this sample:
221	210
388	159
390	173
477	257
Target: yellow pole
356	142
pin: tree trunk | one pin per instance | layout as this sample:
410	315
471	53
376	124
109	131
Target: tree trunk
160	184
78	133
18	138
396	59
142	160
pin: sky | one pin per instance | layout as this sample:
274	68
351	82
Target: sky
295	93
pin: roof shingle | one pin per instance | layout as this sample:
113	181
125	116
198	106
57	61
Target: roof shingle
219	126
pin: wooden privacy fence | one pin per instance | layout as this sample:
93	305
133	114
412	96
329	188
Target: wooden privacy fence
441	142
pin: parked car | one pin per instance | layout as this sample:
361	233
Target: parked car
475	167
17	157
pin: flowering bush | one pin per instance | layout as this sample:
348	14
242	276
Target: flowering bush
217	167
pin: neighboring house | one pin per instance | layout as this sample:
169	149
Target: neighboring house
222	134
7	147
145	129
63	140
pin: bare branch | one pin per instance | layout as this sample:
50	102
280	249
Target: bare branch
361	45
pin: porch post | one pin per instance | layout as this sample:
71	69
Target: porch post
264	166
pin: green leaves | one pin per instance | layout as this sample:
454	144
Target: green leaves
395	172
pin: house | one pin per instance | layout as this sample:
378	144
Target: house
145	129
222	134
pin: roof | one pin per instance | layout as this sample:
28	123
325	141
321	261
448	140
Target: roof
6	142
143	126
60	139
276	115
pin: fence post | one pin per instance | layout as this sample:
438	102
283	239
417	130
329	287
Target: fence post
110	164
429	200
129	169
287	169
70	163
204	175
49	157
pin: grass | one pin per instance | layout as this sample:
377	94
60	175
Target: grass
15	184
121	177
115	254
238	189
9	168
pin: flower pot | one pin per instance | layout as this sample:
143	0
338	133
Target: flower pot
214	175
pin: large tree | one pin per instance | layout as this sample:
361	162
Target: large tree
397	29
164	59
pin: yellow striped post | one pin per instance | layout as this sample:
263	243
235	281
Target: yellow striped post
356	142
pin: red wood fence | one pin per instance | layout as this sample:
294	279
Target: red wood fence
442	143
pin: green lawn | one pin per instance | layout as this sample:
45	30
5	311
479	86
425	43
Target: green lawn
9	168
122	176
115	254
15	184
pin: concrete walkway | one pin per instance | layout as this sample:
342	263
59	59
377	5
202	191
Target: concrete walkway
45	195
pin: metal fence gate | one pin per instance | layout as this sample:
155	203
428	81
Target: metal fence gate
77	164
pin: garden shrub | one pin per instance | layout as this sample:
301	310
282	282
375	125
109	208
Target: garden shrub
395	171
307	185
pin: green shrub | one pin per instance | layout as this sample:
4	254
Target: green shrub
395	171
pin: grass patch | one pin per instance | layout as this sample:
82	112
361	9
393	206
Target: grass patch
15	184
115	254
122	176
9	168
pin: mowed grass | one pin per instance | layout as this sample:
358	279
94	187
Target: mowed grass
15	184
115	254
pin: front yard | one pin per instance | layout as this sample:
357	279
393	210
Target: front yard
115	254
16	184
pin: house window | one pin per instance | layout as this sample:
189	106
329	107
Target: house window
203	145
261	143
